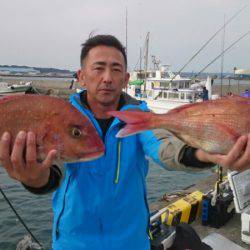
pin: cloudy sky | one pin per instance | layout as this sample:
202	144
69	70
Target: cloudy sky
49	33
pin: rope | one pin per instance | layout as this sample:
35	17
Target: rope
19	218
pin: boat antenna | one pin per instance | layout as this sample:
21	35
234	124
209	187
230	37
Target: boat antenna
222	56
222	53
208	41
146	59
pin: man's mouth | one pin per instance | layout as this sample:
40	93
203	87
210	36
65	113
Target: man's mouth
106	90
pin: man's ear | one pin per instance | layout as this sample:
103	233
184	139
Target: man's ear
126	80
81	77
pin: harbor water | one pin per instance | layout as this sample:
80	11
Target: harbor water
36	210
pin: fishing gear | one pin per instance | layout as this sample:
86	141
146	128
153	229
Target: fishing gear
217	205
222	53
209	40
21	220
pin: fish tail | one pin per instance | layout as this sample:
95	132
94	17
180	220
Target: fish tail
136	121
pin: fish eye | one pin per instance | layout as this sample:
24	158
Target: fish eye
76	132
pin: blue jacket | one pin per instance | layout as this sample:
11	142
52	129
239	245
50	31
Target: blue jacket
102	204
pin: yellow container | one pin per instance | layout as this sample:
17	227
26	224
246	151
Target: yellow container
183	210
194	199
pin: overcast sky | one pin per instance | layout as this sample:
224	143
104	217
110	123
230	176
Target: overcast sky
49	33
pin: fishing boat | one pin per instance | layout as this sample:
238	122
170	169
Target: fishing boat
6	88
162	92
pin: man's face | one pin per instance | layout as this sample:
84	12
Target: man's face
104	74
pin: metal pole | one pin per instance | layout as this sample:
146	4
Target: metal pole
229	47
140	60
222	57
146	60
127	31
207	42
126	39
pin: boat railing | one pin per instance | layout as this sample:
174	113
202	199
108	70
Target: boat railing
182	95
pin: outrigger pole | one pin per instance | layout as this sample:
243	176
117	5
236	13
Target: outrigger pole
209	40
222	53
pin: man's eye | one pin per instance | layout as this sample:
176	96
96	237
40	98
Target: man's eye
117	69
98	69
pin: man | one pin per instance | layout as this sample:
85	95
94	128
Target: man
101	204
205	94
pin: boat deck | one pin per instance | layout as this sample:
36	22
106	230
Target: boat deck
231	230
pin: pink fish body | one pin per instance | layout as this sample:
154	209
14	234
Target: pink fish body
213	126
56	123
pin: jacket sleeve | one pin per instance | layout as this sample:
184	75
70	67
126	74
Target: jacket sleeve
169	151
52	184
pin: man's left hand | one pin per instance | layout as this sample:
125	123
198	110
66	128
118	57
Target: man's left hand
237	159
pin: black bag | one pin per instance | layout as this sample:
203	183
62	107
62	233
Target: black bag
187	239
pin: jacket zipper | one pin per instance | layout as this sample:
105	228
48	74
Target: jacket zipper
59	217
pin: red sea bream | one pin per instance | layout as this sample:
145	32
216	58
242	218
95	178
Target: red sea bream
213	126
56	123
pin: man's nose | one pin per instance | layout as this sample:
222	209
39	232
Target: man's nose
107	76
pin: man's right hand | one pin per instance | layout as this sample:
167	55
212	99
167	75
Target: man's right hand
21	163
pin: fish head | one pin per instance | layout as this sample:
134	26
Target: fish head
73	136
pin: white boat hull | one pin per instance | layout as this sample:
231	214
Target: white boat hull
14	88
163	106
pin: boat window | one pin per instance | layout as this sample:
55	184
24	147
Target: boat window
174	85
190	96
181	85
187	85
174	95
182	95
165	95
164	74
164	84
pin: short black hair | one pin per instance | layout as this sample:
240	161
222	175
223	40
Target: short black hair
106	40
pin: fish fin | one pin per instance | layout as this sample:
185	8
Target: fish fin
131	117
137	121
131	129
224	143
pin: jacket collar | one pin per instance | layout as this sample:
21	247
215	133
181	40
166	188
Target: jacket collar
129	103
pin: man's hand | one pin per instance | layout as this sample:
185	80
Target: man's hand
237	159
21	163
